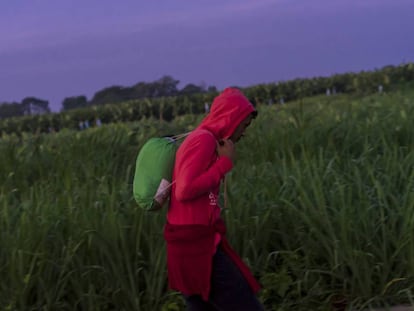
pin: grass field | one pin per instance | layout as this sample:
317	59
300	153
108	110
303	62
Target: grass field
321	206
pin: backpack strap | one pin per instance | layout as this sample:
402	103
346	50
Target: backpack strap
180	136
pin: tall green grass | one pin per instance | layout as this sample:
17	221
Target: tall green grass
323	201
320	206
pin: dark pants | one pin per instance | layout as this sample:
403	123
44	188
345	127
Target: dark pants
229	289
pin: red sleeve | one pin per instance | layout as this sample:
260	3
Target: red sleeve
197	172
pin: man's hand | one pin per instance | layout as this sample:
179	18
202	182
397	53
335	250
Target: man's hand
226	148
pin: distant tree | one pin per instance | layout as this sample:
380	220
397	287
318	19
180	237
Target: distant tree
166	86
74	102
163	87
191	89
8	110
211	89
33	105
142	90
112	94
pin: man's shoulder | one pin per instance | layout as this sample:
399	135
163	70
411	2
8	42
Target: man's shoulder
201	134
199	138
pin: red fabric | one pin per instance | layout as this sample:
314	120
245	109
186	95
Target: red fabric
197	175
191	231
198	170
189	249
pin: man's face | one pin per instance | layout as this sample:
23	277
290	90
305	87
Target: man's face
239	132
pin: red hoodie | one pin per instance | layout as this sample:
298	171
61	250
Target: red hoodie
194	226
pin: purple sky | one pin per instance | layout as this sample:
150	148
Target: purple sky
55	49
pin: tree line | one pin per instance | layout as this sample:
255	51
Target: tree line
167	107
164	87
28	106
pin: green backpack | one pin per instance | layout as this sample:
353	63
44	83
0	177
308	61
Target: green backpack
153	172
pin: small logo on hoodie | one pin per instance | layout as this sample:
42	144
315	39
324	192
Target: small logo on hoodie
213	199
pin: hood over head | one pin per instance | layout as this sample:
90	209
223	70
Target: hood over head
227	111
